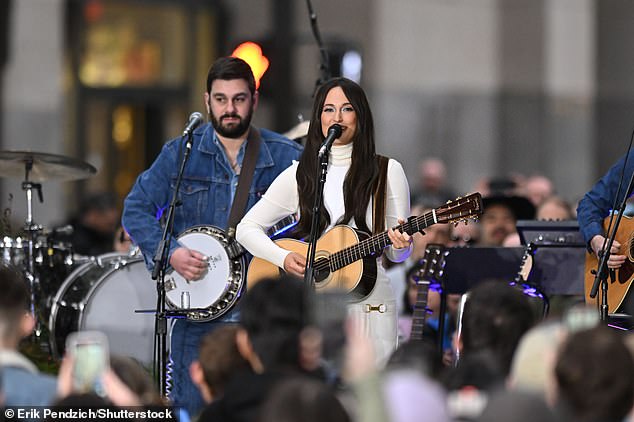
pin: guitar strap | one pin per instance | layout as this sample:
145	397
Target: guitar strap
379	197
238	208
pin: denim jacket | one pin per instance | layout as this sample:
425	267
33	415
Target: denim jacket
598	202
205	192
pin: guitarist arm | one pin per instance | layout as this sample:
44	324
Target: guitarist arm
251	232
397	206
279	201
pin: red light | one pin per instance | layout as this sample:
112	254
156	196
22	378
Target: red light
251	53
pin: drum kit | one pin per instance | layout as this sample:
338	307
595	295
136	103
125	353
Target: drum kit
71	292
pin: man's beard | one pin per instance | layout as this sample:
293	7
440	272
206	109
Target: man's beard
234	130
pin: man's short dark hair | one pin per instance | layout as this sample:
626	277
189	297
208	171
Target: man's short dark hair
273	313
495	317
228	68
219	357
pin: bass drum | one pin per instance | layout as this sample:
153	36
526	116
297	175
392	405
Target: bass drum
103	295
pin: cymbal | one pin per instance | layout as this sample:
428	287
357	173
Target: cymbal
43	166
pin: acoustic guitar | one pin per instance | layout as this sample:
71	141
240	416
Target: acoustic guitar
431	270
345	258
620	285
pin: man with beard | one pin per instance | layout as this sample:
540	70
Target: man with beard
206	195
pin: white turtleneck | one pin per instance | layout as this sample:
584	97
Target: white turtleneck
282	200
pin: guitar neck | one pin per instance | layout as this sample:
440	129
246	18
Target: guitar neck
378	242
419	317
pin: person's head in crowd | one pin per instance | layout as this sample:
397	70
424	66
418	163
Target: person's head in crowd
538	188
554	208
303	399
231	97
272	316
470	382
595	375
495	317
218	360
534	360
136	378
432	174
480	370
99	212
463	234
499	216
16	321
419	355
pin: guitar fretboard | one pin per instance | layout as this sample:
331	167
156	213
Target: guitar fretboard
454	211
379	242
419	317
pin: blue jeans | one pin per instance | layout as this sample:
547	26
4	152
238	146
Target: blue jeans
185	340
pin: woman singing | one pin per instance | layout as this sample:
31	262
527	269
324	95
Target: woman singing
353	174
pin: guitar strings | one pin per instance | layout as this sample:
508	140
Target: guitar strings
353	253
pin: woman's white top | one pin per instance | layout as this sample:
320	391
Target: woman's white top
282	199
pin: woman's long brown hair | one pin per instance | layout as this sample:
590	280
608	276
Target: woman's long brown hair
362	176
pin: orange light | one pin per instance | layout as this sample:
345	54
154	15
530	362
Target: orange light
251	53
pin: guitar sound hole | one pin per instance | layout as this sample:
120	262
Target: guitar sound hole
321	270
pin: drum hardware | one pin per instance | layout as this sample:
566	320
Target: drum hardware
102	294
34	168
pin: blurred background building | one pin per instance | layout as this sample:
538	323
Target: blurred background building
489	86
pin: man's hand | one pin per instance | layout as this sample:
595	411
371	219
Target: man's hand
295	264
615	260
191	264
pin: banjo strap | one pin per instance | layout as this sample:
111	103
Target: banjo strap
238	208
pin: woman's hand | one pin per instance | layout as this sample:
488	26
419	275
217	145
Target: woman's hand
400	240
295	264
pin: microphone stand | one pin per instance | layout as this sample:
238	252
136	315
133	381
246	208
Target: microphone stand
309	271
601	274
158	273
324	66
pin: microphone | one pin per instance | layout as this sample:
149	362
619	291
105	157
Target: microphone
195	119
334	132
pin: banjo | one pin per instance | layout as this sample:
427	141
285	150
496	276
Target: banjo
221	284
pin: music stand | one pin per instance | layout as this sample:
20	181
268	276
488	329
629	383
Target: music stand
558	266
559	255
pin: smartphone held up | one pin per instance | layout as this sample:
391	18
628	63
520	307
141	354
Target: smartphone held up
89	353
